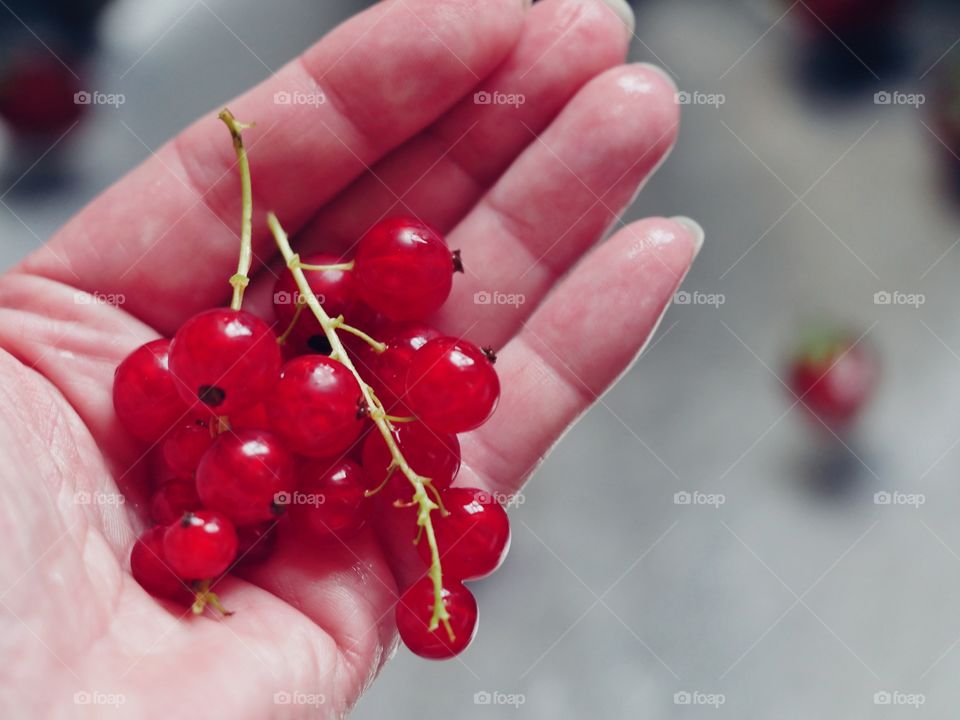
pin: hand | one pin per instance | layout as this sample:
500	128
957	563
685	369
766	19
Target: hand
381	119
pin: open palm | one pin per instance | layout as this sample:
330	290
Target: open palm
378	118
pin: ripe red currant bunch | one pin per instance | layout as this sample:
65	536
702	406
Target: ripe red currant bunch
321	428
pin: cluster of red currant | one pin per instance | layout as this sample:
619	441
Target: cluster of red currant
252	425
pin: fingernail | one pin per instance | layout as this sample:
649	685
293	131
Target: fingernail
623	11
659	71
696	232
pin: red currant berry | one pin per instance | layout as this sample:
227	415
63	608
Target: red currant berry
367	319
256	543
335	290
150	569
159	473
330	499
145	393
316	407
172	500
38	95
303	341
849	16
242	474
184	447
201	545
415	610
404	269
387	371
431	455
227	359
451	385
253	417
834	378
473	538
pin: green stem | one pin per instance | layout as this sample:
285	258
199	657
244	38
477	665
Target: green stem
282	340
420	496
377	346
346	266
203	598
240	281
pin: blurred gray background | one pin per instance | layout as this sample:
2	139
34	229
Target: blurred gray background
799	596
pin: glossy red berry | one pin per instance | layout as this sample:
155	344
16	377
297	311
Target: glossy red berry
150	569
335	289
242	474
473	538
387	371
226	359
404	269
830	17
159	473
430	454
451	385
173	499
256	543
330	498
145	394
201	545
183	448
367	319
38	95
316	407
253	417
415	610
834	378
